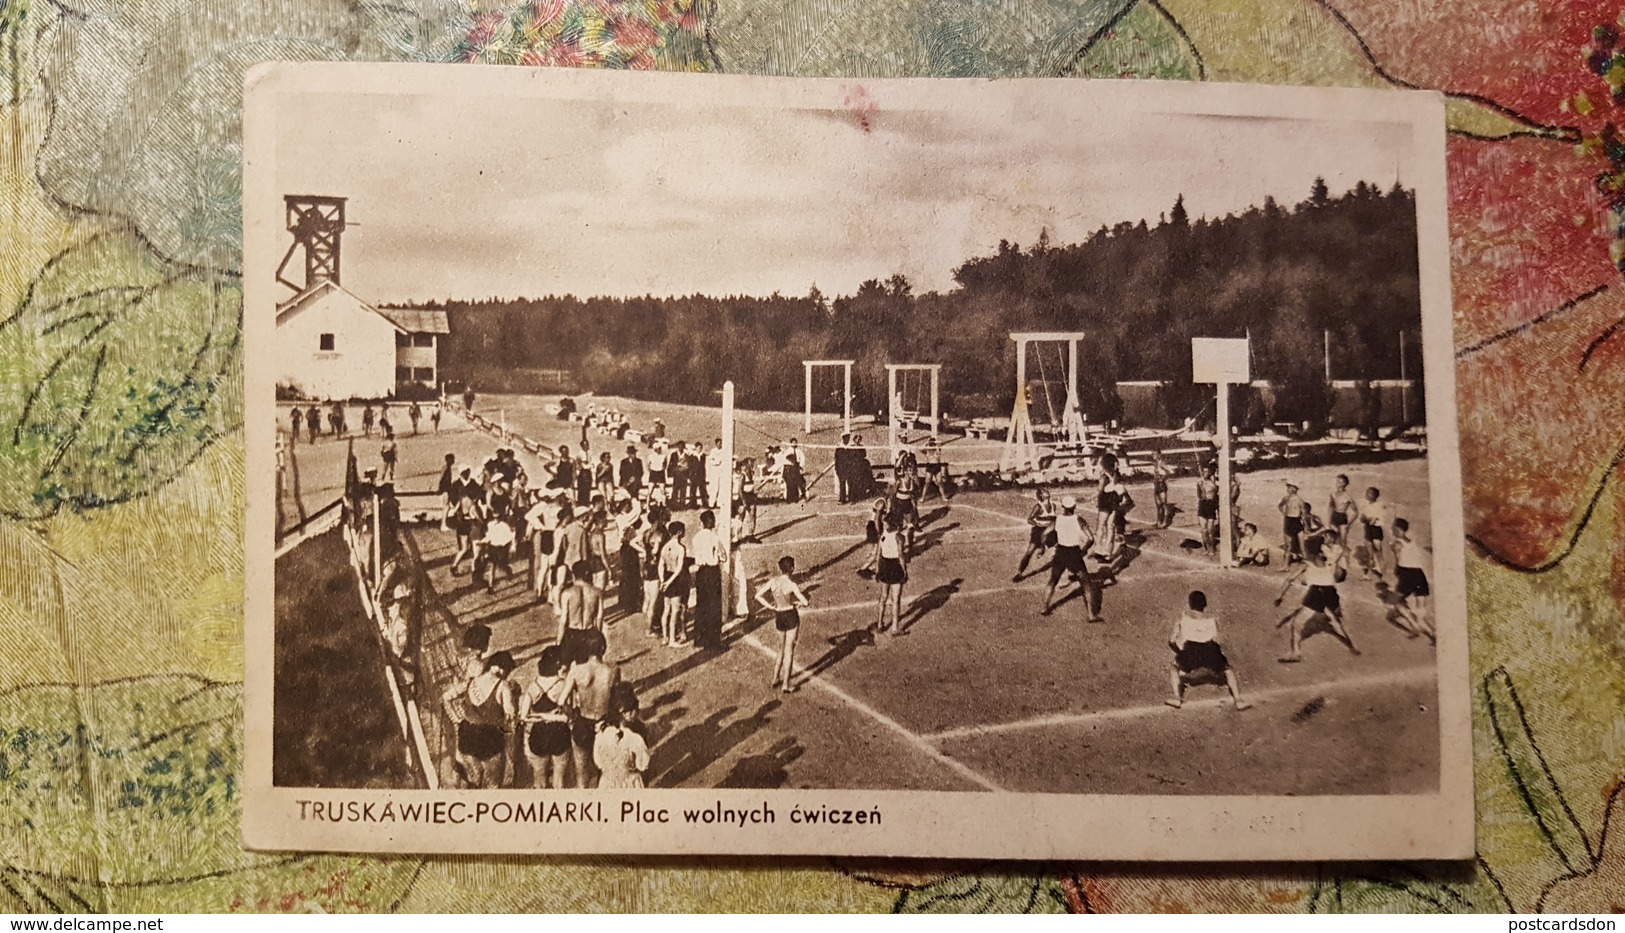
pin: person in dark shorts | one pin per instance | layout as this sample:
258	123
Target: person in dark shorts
1207	508
547	722
891	572
1322	568
1292	527
1411	582
1072	541
1374	523
488	711
675	580
1159	490
1040	524
784	600
592	682
1198	657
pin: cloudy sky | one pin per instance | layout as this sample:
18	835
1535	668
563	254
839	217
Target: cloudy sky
471	195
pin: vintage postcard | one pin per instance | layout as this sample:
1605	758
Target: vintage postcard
710	464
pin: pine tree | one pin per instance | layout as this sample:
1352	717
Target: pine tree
1178	218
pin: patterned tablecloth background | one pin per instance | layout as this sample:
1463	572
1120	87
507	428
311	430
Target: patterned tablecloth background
120	557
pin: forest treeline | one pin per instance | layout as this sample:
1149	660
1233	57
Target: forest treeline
1287	276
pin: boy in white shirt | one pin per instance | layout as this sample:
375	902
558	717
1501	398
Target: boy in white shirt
1411	582
1197	655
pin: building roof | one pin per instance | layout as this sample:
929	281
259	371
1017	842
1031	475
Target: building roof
405	320
417	320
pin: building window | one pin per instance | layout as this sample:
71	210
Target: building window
403	374
423	340
423	374
403	340
327	343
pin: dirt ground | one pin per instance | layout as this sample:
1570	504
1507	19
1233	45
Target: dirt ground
984	693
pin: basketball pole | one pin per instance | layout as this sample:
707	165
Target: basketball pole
725	497
1226	519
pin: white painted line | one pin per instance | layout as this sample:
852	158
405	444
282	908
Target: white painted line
1403	676
1020	522
1040	575
1258	575
903	732
958	536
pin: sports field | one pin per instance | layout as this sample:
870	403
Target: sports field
984	693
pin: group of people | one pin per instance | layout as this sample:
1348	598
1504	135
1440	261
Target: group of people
577	724
310	419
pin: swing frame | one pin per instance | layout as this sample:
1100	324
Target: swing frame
895	411
846	395
1021	449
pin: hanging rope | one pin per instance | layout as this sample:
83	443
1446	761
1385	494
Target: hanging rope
1043	380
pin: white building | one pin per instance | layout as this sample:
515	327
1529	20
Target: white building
333	345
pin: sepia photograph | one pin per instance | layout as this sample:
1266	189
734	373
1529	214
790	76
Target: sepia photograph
673	463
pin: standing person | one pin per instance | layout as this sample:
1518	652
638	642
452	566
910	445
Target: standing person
905	496
542	521
843	470
629	577
313	423
1291	509
619	751
891	572
488	714
745	472
562	471
1374	524
936	471
736	557
389	452
464	510
784	599
863	470
631	471
1159	490
603	477
592	683
650	545
542	708
446	488
296	417
1207	509
367	419
1410	574
1198	658
1235	505
795	481
1072	541
1341	509
879	511
1322	564
706	549
434	417
591	596
677	478
654	461
493	551
468	399
716	474
572	545
335	419
584	476
1040	522
674	586
415	414
1110	519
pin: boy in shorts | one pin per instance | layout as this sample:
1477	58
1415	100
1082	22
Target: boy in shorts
1197	655
784	599
1411	582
